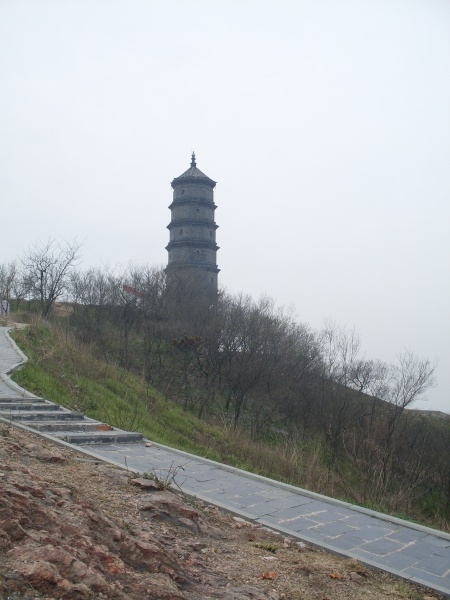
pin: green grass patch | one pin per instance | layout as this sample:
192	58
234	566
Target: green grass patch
68	374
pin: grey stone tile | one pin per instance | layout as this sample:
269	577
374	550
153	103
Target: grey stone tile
358	519
236	504
406	535
435	540
373	532
199	482
445	552
328	516
258	510
347	541
162	465
286	513
219	495
313	535
270	519
273	493
420	550
320	505
294	525
381	547
436	565
252	493
334	529
205	483
301	524
231	490
397	561
250	503
227	482
428	578
289	502
252	499
200	485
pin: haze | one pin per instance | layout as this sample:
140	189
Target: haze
325	123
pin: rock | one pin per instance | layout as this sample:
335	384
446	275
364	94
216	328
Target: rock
114	474
77	571
148	485
45	455
39	572
169	507
357	578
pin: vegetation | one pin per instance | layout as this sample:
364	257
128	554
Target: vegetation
239	381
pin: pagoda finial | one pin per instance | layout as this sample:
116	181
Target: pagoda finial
193	163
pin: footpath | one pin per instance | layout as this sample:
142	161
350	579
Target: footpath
413	552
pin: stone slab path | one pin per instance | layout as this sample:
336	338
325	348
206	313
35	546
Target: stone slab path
411	551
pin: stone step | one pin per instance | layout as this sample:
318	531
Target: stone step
61	426
37	415
100	437
29	406
13	399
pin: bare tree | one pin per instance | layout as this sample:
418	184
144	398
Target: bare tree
47	268
336	402
8	273
18	287
92	294
389	445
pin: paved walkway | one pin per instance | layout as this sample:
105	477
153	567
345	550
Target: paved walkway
413	552
10	357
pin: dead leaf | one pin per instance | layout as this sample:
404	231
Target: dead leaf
336	576
269	575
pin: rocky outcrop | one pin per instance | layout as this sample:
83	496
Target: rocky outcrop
72	550
55	543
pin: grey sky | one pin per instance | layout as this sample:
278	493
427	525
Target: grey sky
325	123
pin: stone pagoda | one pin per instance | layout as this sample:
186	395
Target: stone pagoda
192	247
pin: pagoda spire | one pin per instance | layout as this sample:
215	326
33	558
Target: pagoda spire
193	163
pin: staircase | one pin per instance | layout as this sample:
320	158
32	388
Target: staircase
20	406
59	422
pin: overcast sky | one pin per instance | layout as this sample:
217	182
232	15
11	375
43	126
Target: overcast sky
325	123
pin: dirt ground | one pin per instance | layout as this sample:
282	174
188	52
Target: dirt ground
72	528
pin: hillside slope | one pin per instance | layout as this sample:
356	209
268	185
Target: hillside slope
74	529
